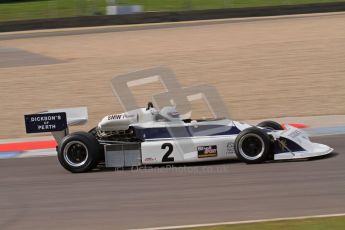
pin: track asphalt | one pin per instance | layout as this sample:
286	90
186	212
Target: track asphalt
37	193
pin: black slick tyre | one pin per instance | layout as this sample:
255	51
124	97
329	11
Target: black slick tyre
79	152
252	146
270	125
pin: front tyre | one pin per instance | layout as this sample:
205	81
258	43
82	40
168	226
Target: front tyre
271	125
79	152
252	145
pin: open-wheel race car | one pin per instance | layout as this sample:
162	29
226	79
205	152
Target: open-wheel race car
147	136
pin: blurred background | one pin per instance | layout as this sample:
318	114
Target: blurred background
36	9
265	68
296	60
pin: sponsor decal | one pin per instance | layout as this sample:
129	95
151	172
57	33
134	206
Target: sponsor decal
115	117
230	148
286	145
295	134
207	151
120	116
45	122
150	159
282	144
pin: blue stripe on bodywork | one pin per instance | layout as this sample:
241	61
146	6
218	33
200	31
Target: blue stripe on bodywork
293	146
185	131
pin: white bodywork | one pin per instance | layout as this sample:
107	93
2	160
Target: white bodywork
185	149
179	149
166	138
301	138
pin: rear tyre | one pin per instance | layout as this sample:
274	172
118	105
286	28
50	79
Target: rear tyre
252	146
270	125
93	131
79	152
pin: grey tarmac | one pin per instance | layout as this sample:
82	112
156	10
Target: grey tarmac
37	193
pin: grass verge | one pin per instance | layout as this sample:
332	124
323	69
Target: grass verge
331	223
23	10
173	5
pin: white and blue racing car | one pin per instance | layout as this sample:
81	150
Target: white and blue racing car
147	136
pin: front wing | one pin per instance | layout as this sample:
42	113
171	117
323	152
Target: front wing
293	143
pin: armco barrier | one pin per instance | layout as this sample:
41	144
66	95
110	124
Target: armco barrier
156	17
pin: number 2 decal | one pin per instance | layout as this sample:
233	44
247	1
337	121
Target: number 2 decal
166	157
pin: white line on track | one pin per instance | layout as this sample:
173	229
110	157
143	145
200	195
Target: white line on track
240	222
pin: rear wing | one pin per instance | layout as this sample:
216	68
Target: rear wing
55	121
75	116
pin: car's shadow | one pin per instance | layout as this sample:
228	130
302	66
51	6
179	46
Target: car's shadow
323	157
176	165
102	168
331	155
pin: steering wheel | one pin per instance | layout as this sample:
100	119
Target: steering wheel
149	105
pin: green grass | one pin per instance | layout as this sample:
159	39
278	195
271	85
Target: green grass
51	9
171	5
69	8
331	223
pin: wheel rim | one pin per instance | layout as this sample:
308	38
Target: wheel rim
251	146
75	153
